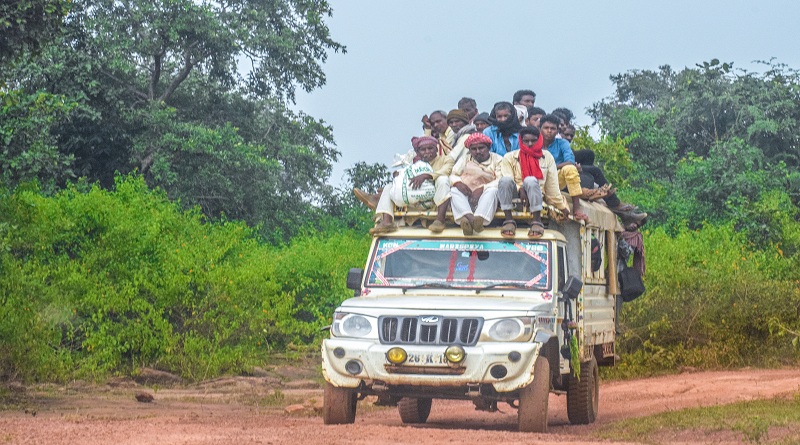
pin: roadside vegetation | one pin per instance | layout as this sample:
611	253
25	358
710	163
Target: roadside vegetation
774	421
160	209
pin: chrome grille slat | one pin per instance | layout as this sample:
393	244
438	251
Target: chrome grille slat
429	330
449	330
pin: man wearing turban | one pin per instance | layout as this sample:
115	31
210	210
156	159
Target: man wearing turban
474	185
459	123
426	149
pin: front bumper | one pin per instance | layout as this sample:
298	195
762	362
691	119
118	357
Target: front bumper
474	370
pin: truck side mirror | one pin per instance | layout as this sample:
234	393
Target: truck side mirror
354	279
572	288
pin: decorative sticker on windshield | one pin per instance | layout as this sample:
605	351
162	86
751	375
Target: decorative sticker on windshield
530	250
461	264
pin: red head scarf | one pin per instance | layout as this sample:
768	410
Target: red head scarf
417	142
478	138
529	158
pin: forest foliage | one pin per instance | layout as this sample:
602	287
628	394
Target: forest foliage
160	208
96	282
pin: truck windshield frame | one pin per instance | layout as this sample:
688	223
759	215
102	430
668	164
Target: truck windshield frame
461	264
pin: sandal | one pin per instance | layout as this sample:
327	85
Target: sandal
466	227
477	224
536	231
509	228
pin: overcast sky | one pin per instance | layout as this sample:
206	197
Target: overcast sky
408	58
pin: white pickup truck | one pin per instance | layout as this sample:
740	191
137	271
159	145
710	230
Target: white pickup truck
481	318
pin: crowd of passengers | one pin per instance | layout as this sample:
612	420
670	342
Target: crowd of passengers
480	161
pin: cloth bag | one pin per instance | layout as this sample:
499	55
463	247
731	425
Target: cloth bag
631	284
404	195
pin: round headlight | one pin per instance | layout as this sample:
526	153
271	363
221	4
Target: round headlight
455	354
396	356
356	326
505	330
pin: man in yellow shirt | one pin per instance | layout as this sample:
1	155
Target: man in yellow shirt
474	185
526	172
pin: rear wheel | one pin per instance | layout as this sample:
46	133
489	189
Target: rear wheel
339	405
583	394
532	412
414	410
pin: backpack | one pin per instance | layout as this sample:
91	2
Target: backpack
631	284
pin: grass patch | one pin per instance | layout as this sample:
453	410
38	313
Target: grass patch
774	421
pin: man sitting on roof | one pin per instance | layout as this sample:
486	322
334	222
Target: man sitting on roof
474	185
505	128
469	106
535	115
568	175
437	127
459	123
426	149
597	187
526	172
524	97
481	122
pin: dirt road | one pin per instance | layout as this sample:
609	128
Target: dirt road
251	411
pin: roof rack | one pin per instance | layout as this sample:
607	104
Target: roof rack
599	215
519	214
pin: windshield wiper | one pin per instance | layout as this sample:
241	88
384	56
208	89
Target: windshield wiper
512	285
432	285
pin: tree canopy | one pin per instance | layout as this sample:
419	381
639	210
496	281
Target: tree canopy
706	142
193	95
26	25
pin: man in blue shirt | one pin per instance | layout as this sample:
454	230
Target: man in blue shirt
504	131
568	175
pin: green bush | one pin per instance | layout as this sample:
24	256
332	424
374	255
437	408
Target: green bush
97	282
712	301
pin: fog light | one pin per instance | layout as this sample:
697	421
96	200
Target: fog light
396	356
353	367
514	356
498	371
338	352
455	354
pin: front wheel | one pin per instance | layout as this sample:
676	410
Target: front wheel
339	405
583	394
532	412
414	410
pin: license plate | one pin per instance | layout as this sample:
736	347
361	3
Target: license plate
426	359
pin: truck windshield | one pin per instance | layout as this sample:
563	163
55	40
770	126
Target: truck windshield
460	264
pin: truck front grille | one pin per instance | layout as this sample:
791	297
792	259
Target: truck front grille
430	330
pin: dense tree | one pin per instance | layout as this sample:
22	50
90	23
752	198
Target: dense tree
699	107
28	149
194	96
342	204
25	25
708	140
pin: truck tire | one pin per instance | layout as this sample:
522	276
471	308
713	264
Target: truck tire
339	405
583	394
414	410
532	412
